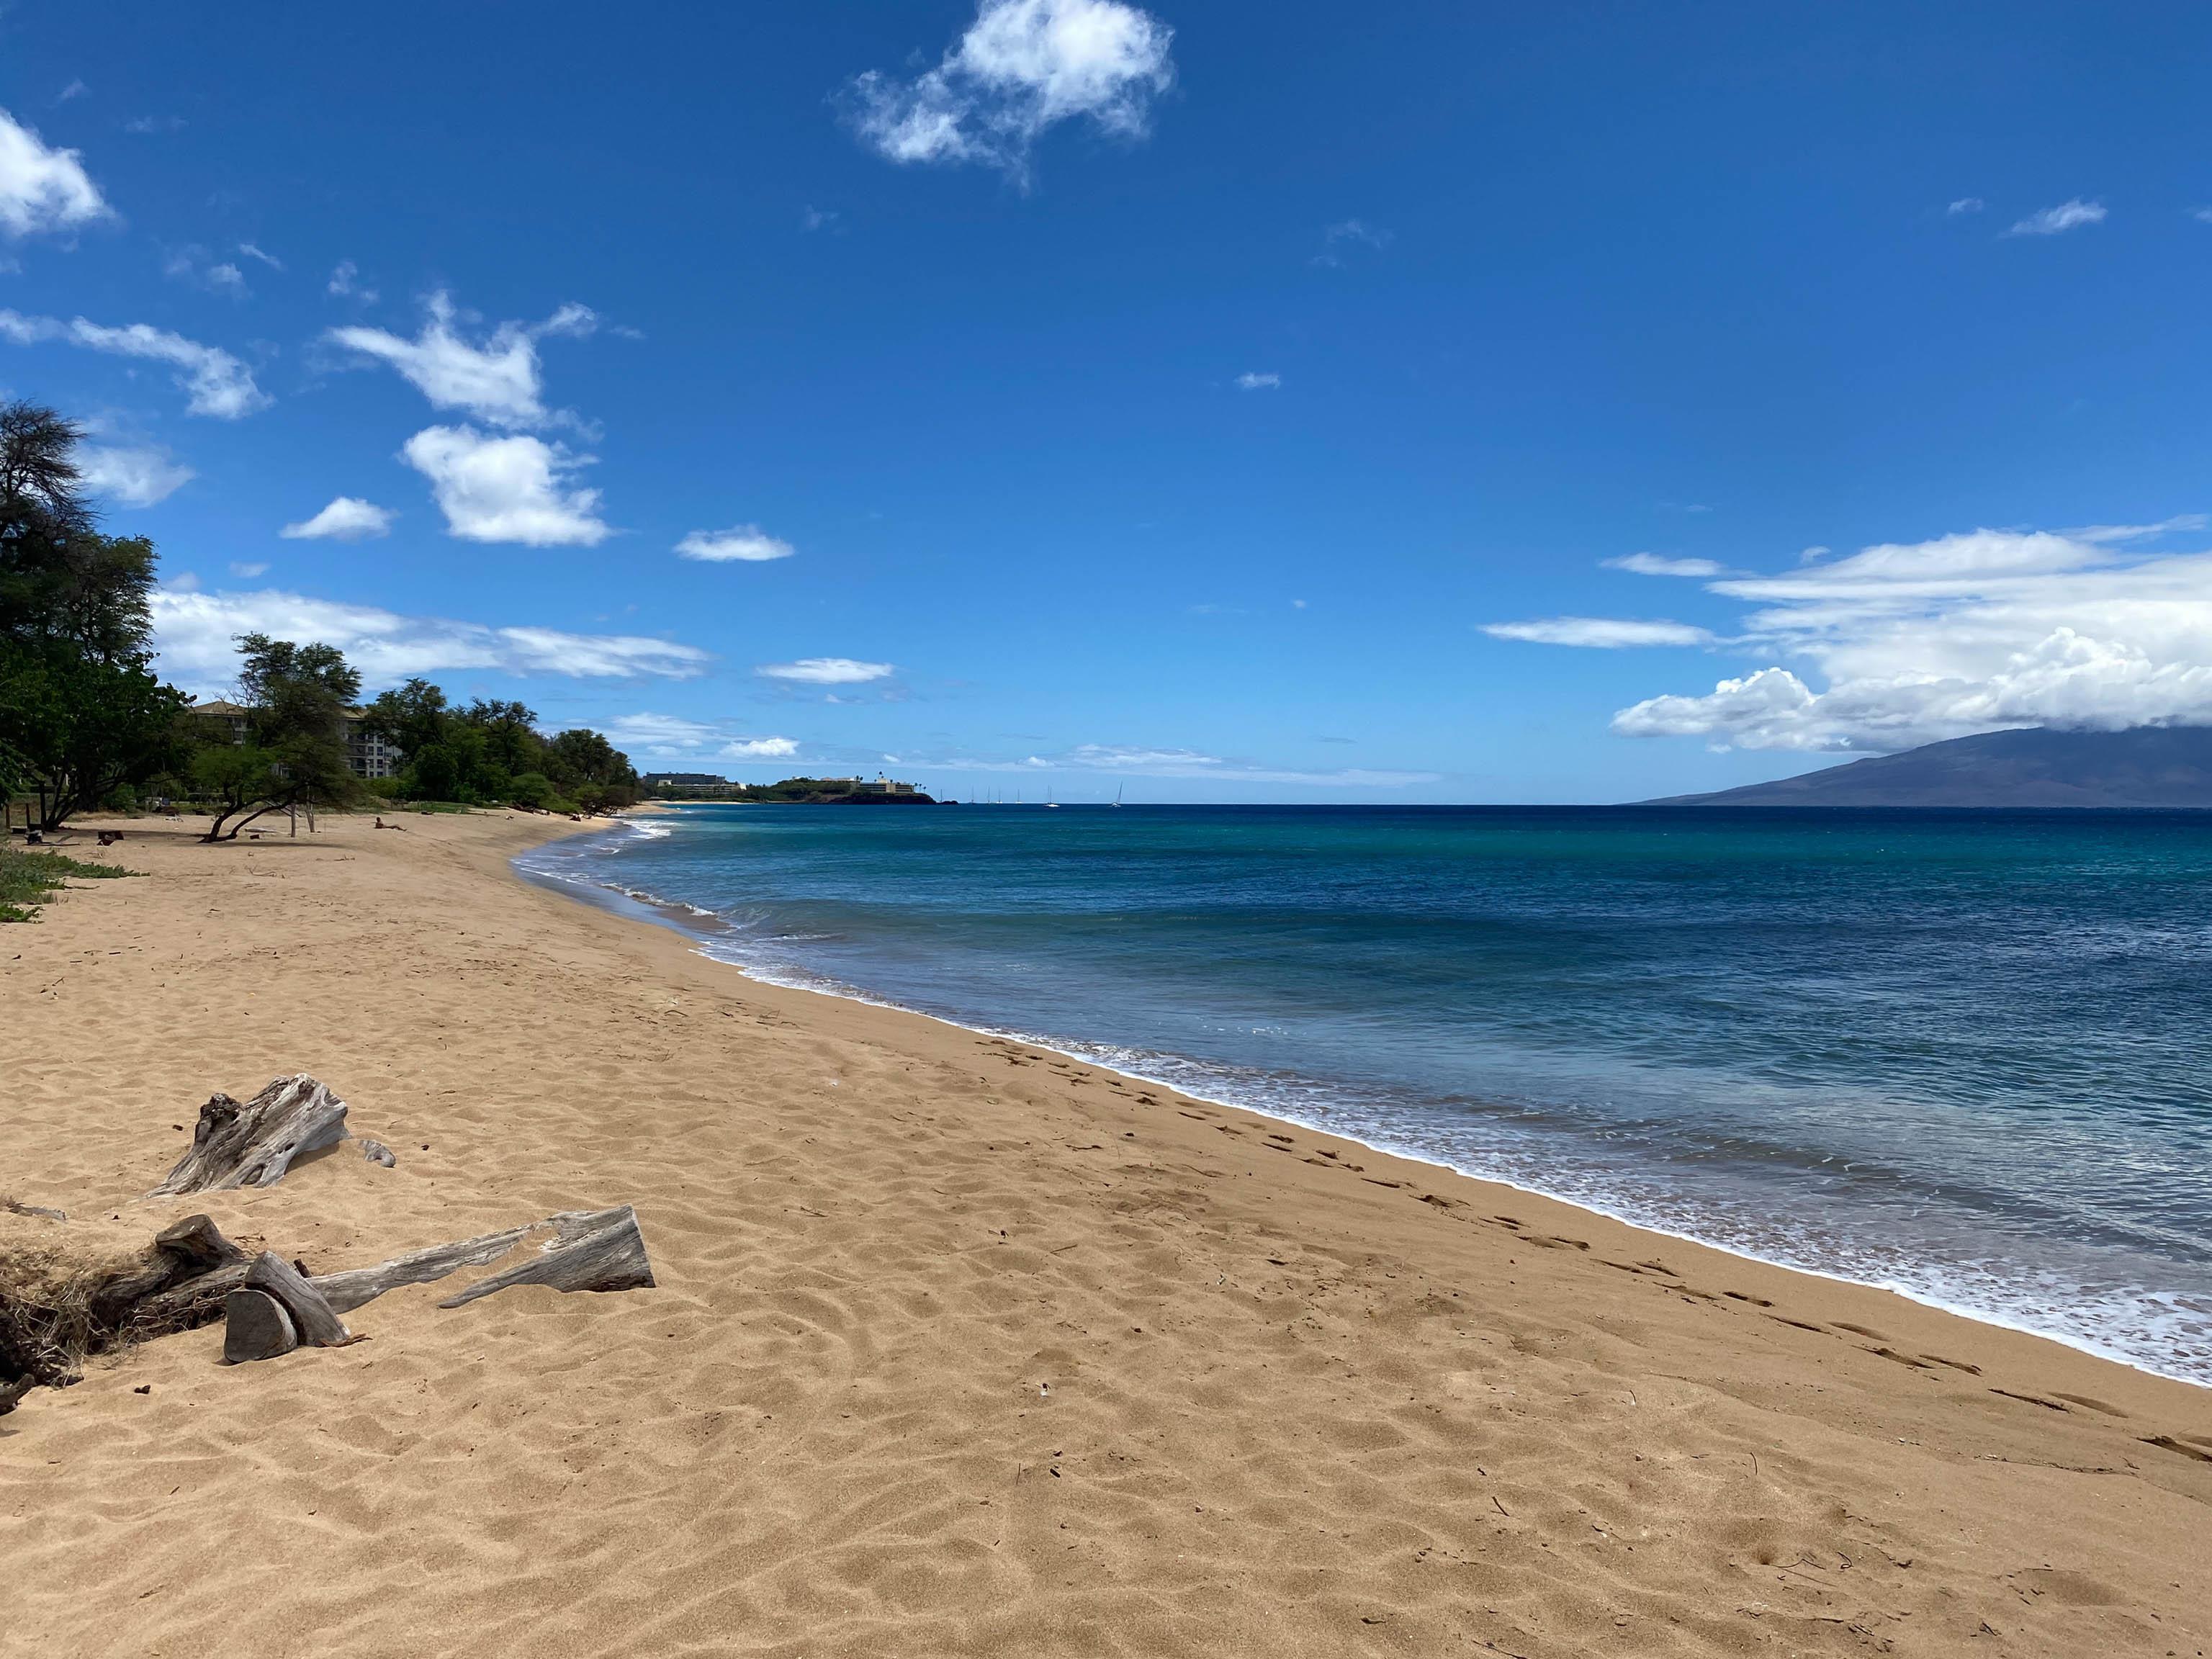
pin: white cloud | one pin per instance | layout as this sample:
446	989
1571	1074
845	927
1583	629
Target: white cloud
195	635
2202	215
498	380
1023	66
827	670
510	489
1142	762
346	283
2067	216
1966	205
347	519
2104	534
746	542
671	734
76	89
1965	633
1603	633
41	188
1358	230
134	477
1656	564
217	383
248	570
192	265
1250	381
254	253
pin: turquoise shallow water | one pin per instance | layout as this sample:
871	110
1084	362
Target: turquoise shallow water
1964	1056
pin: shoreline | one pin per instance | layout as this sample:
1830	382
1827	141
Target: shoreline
961	1345
659	911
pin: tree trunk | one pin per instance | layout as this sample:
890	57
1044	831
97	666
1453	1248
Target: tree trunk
254	1145
591	1250
348	1290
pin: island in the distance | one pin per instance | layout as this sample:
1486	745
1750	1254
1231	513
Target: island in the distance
878	791
2147	766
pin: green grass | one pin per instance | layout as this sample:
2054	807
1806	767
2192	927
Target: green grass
27	877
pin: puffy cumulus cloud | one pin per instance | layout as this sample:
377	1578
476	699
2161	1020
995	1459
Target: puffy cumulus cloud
1023	66
1658	564
747	541
215	383
497	380
510	489
131	477
347	519
196	634
42	188
1906	643
827	670
760	749
2067	216
1601	633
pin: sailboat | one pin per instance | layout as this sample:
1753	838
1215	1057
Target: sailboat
1117	794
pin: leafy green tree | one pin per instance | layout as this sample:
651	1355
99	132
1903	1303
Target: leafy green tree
294	752
81	713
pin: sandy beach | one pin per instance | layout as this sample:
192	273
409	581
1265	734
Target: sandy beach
959	1346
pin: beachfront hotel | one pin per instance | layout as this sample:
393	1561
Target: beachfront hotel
369	753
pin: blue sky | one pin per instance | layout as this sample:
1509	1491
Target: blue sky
1437	403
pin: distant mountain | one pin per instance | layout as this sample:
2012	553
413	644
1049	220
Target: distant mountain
2165	766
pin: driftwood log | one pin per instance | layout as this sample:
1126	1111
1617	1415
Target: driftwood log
348	1290
252	1144
255	1327
590	1250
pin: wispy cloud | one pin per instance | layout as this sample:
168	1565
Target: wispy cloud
509	488
827	670
1358	230
747	542
43	188
1252	380
345	284
347	519
1141	761
2067	216
1966	205
196	636
1599	633
1656	564
1022	67
217	383
135	477
195	266
252	252
498	379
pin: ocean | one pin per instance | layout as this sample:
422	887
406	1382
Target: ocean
1962	1055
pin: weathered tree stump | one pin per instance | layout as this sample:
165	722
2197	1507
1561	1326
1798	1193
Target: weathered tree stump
348	1290
312	1316
255	1327
254	1143
590	1250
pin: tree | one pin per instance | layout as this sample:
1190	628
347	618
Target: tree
294	751
81	713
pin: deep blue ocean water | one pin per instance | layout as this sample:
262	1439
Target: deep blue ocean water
1964	1055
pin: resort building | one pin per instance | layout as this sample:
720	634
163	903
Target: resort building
369	754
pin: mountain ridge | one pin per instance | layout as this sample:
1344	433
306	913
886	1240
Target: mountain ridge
2143	767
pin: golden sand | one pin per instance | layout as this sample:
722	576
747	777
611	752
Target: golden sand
959	1346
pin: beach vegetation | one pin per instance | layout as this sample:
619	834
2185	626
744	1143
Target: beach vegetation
491	753
292	752
82	715
27	879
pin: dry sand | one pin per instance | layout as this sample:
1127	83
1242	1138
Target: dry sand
958	1347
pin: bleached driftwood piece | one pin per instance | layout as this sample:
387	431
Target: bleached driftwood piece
590	1250
255	1327
348	1290
377	1152
312	1316
183	1254
38	1209
252	1144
